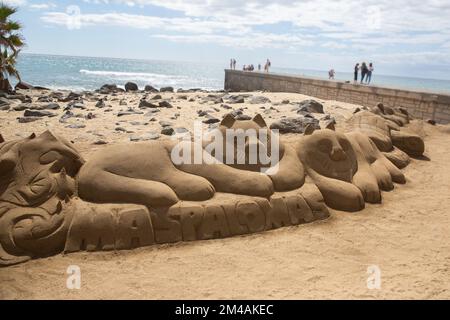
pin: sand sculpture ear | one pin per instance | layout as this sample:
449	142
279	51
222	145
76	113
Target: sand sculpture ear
47	135
330	125
32	136
228	121
380	107
309	130
259	120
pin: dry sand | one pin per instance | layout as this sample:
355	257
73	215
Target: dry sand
407	237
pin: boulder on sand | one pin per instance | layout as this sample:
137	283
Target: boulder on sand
166	89
150	88
311	106
23	86
131	86
294	125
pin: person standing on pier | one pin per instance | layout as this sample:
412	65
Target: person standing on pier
369	73
331	74
364	71
356	73
267	66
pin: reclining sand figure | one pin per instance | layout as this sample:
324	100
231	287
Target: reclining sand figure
152	179
41	177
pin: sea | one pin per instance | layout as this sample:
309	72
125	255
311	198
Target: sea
90	73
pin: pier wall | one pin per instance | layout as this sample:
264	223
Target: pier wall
423	105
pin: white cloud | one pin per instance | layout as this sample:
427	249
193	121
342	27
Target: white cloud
42	6
421	28
15	3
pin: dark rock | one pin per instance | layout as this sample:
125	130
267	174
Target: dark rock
37	113
52	106
212	98
110	88
100	104
168	131
120	129
21	97
128	112
28	119
211	120
100	142
181	130
90	116
151	112
432	122
236	99
76	126
166	89
311	106
23	86
123	103
22	107
145	137
145	104
285	102
76	105
259	100
70	97
165	123
44	99
294	125
165	104
68	114
157	97
131	86
225	106
150	88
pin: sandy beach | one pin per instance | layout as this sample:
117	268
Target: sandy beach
407	236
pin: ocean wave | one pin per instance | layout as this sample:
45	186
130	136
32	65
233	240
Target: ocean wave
156	79
152	78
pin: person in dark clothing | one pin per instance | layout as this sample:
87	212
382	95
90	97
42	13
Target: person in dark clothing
356	72
364	71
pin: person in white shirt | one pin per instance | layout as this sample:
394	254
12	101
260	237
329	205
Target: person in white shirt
369	73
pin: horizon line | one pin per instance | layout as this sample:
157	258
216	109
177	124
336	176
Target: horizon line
225	63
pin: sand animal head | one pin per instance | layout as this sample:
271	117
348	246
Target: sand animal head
328	153
256	137
36	179
39	166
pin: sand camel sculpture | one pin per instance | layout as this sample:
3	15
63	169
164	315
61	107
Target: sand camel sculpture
52	200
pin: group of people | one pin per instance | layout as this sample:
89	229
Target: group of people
233	64
366	72
250	67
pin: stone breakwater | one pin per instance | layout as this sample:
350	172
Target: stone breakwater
423	105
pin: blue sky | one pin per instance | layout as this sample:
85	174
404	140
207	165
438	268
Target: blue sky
401	37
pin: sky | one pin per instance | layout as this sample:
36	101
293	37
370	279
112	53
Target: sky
401	37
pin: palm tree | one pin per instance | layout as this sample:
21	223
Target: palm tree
11	42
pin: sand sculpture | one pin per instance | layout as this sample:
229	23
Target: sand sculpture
52	200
